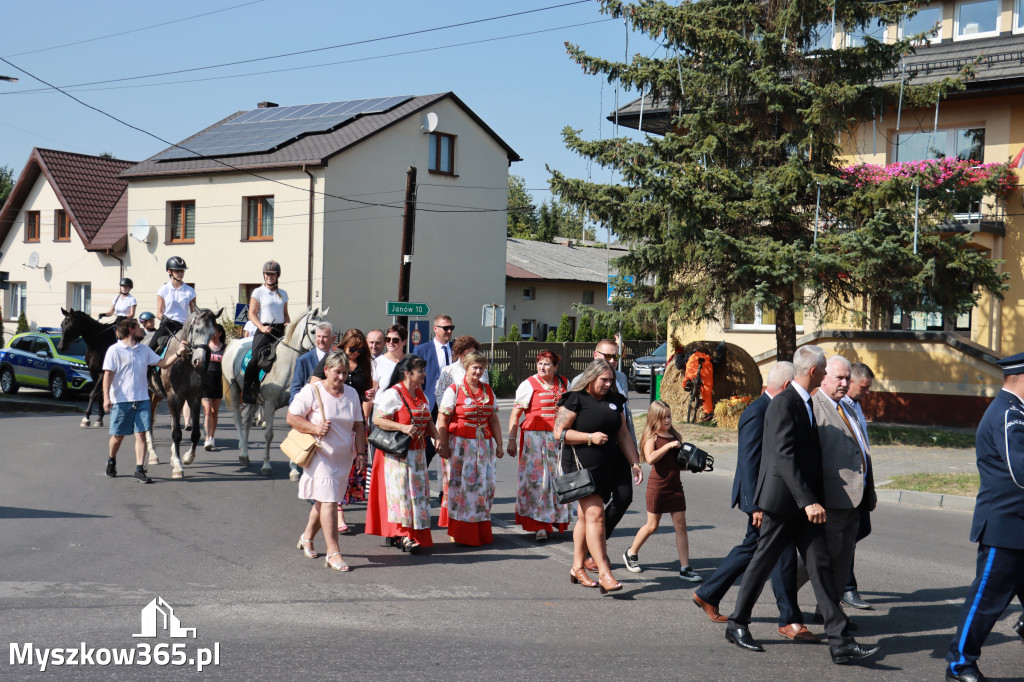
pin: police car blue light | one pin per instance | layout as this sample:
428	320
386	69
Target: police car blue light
32	360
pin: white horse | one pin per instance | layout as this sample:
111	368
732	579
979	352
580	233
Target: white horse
299	338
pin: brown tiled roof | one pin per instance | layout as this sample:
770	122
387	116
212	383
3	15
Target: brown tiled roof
313	149
88	187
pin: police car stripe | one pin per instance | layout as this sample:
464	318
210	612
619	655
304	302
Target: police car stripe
1006	449
974	608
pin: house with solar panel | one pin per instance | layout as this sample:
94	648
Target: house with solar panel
321	189
63	235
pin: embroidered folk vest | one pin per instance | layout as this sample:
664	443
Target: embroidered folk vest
419	416
540	416
469	419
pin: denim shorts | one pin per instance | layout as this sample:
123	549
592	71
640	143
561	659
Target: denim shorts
129	418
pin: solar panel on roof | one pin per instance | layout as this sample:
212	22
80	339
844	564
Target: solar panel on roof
265	130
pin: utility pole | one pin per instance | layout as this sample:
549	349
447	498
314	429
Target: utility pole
408	239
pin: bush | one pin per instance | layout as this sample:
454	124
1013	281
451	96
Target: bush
501	383
22	323
564	333
513	334
584	331
552	336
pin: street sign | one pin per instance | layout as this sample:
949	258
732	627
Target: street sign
241	313
419	332
611	286
493	316
407	309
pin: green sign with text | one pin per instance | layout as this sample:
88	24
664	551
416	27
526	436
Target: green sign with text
407	309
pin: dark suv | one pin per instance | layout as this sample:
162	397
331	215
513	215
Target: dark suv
640	370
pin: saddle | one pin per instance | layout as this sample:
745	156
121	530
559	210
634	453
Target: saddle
260	362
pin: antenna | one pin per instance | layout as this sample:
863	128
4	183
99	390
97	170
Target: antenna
140	230
429	122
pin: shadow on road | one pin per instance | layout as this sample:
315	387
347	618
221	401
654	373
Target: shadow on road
27	513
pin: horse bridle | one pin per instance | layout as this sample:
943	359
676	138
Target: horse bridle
188	335
305	335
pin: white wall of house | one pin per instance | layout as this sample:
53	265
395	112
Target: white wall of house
220	260
62	264
550	300
459	258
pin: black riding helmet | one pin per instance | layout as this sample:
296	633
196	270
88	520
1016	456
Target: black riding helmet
176	263
127	282
272	266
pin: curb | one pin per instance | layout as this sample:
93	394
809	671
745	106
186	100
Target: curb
956	502
9	405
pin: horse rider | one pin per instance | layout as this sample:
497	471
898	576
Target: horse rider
175	300
148	322
268	311
124	304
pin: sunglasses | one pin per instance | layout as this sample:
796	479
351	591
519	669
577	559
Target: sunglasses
446	327
392	339
609	356
355	350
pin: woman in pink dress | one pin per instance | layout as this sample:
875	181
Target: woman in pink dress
340	428
469	437
537	507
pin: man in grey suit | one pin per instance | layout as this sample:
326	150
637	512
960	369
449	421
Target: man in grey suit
846	464
789	493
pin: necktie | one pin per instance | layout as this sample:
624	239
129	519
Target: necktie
810	411
447	360
849	427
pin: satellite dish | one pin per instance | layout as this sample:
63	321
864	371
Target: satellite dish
140	230
429	122
33	259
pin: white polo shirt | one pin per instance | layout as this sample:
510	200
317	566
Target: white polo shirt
123	304
176	301
130	365
272	304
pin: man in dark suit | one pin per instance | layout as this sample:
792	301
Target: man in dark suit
307	362
789	490
438	354
998	525
748	464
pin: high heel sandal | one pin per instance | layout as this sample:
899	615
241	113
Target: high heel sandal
309	552
343	567
409	545
608	583
578	576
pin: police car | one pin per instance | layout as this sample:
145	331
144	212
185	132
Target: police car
31	360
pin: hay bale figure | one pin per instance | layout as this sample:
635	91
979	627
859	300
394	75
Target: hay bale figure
735	374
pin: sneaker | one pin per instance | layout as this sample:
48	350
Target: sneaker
141	477
541	535
209	444
111	467
689	575
632	561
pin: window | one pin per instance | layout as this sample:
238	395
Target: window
924	21
32	226
259	218
442	154
588	298
15	300
529	293
245	291
919	322
963	143
821	37
181	222
873	29
1018	16
61	227
80	296
753	317
526	328
976	19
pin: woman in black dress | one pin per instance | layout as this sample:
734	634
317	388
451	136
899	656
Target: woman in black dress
592	421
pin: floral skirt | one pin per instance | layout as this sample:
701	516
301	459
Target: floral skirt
469	483
407	489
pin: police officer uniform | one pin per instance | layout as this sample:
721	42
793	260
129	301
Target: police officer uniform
998	527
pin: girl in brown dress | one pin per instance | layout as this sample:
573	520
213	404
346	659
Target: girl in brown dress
659	446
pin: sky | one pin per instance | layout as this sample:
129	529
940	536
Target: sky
524	86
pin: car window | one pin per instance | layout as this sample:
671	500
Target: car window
40	344
661	350
24	344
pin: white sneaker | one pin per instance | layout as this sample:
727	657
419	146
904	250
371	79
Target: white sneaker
209	444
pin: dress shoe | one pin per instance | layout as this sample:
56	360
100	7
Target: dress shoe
590	564
851	652
577	576
710	610
742	638
965	675
853	599
798	632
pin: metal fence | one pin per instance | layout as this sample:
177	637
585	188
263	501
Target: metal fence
517	360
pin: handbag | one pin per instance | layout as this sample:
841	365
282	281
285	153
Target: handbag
299	446
574	485
394	443
694	459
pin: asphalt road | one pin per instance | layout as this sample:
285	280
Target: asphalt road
83	554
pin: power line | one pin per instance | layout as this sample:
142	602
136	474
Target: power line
135	30
320	49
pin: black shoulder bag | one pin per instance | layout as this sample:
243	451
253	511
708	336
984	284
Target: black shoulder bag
394	443
574	485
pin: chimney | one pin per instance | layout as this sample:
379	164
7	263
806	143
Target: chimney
266	105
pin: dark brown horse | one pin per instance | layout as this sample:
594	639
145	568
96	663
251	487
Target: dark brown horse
182	383
98	338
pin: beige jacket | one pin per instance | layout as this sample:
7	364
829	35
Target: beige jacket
845	484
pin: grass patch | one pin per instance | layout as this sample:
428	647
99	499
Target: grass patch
920	436
944	484
692	433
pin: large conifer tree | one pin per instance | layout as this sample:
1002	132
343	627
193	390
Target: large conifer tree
725	209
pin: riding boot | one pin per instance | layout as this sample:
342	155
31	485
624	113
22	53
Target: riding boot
251	384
